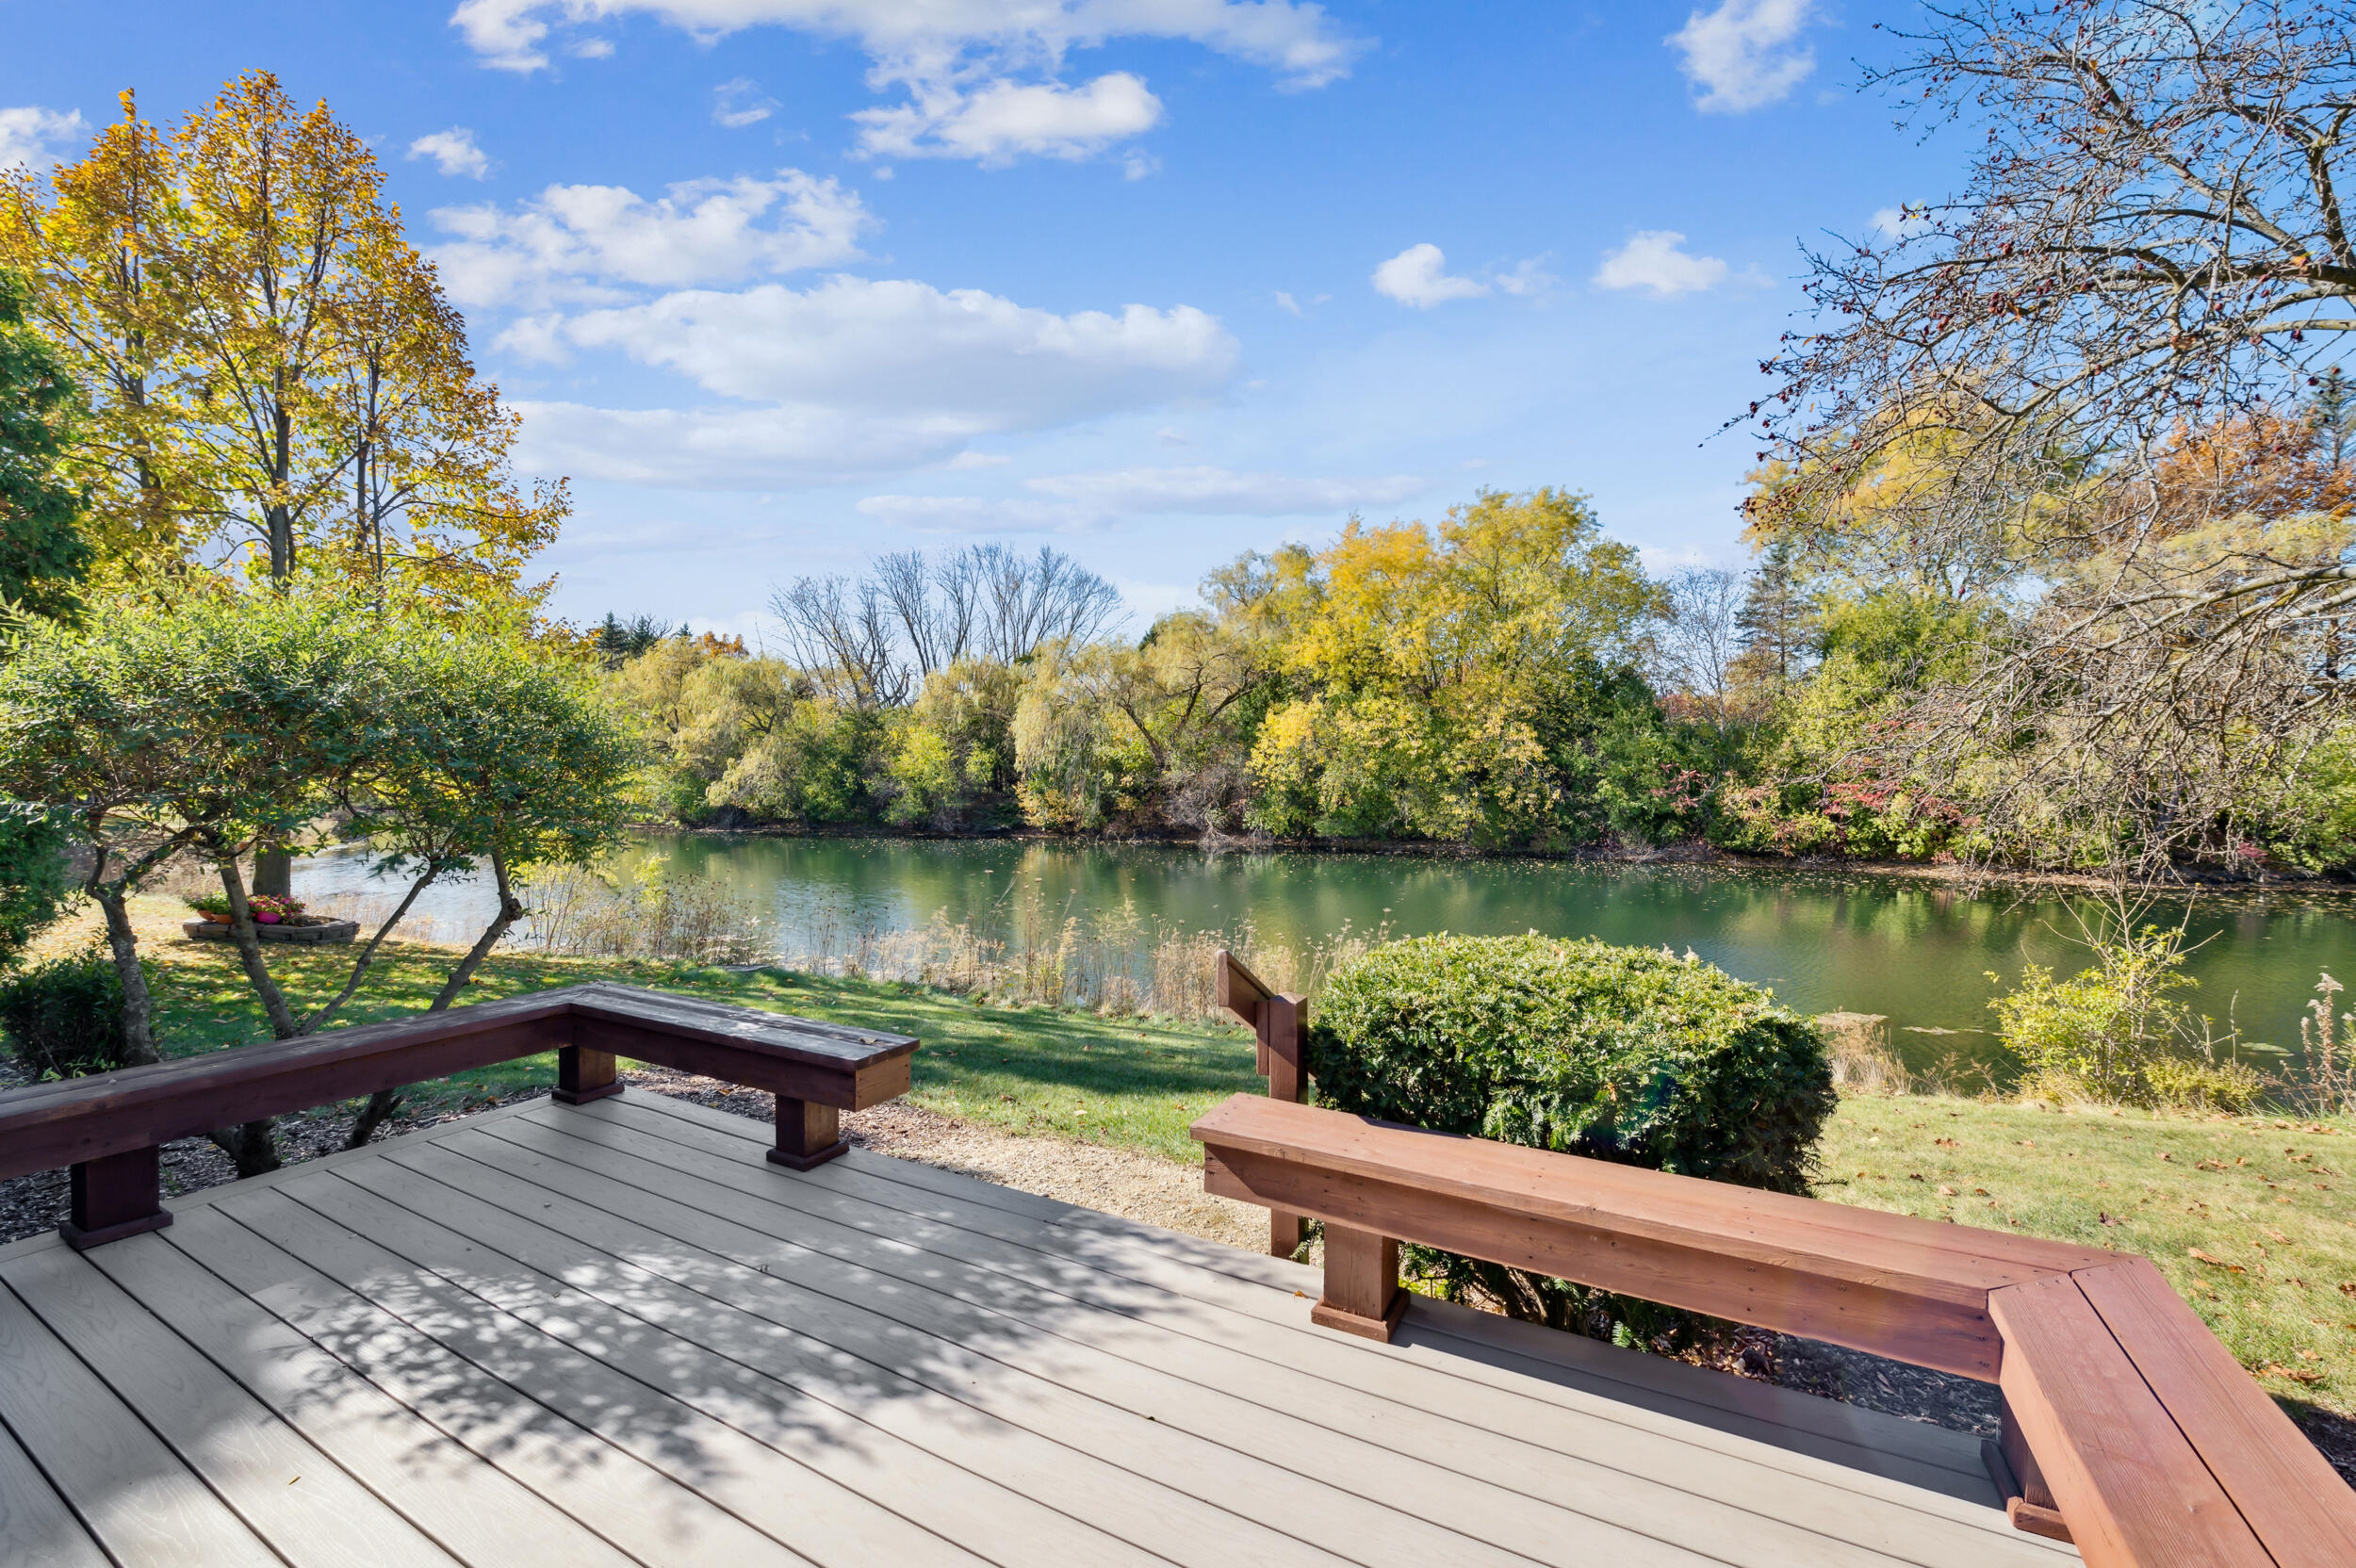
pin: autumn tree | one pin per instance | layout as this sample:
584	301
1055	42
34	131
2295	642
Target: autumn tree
2150	252
278	383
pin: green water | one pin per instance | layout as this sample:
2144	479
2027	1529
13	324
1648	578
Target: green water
1916	951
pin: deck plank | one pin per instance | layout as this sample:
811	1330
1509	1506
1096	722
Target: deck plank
481	1513
801	1514
472	1243
639	1510
859	1312
1518	1495
1047	1476
132	1493
294	1496
37	1528
1325	1375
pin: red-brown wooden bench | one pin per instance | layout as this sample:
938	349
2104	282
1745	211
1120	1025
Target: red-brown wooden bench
110	1127
2127	1427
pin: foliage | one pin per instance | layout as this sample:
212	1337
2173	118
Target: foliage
34	881
1616	1053
277	383
43	555
64	1019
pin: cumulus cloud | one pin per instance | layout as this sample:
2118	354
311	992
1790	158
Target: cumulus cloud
453	153
904	345
29	137
978	74
1744	54
1418	276
1002	119
737	103
854	377
574	243
1067	502
1655	259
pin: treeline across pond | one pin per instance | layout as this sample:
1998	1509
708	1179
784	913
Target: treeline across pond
1511	679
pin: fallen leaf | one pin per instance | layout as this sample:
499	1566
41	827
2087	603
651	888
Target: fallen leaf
2298	1375
1982	1192
2199	1256
2208	1165
2277	1236
2166	1156
1914	1175
2347	1289
1945	1191
2108	1218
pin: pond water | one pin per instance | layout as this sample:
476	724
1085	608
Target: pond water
1917	951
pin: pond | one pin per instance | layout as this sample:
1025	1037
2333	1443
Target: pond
1918	951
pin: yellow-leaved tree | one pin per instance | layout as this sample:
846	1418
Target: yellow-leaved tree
279	387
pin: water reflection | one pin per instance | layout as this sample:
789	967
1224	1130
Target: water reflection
1919	951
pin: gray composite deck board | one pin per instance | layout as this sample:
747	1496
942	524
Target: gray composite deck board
615	1333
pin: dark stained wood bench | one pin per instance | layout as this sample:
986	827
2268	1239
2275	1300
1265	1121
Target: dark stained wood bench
110	1127
2128	1428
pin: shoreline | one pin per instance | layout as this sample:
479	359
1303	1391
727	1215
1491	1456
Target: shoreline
1970	879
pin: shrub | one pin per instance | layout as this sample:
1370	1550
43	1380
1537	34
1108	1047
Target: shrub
64	1019
1613	1052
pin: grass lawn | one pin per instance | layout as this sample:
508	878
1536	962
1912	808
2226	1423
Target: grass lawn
2253	1220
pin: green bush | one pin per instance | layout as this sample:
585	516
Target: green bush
64	1019
34	886
1613	1052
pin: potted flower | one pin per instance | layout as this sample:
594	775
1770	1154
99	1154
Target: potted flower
213	906
271	910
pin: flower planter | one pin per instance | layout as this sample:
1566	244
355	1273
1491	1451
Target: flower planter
324	932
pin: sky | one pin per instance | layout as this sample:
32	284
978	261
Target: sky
783	284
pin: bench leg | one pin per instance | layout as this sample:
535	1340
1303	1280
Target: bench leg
1285	1229
584	1075
108	1199
1362	1295
2033	1509
808	1134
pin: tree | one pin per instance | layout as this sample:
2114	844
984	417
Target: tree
618	641
43	556
214	724
277	380
1777	620
2150	252
1700	640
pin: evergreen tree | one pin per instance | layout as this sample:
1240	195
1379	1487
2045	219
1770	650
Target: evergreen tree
1778	622
2333	411
42	552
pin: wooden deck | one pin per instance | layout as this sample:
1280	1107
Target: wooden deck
616	1332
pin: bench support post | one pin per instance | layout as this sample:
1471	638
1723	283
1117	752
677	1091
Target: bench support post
1362	1295
120	1195
2032	1507
584	1075
808	1134
1280	1031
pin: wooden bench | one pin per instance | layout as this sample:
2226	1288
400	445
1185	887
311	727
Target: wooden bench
110	1128
2128	1429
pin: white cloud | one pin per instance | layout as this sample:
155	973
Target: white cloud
1066	502
573	242
856	378
454	153
1286	303
1000	119
1418	276
959	60
1653	259
737	103
30	136
1743	55
590	48
901	345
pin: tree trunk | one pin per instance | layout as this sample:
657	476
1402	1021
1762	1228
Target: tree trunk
138	1008
252	1147
273	872
384	1103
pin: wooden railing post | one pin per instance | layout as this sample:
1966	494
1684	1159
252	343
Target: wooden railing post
584	1075
1277	1024
116	1196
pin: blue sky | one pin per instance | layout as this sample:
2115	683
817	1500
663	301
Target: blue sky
785	284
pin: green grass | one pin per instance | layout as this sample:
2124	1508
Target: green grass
2253	1220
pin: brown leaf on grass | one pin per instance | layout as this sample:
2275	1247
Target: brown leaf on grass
2108	1218
2166	1156
1946	1143
2297	1375
2207	1165
1946	1191
1914	1175
2274	1235
2348	1288
2199	1256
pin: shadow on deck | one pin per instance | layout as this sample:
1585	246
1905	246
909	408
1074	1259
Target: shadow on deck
615	1332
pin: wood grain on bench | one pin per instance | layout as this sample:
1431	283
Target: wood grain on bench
2157	1448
